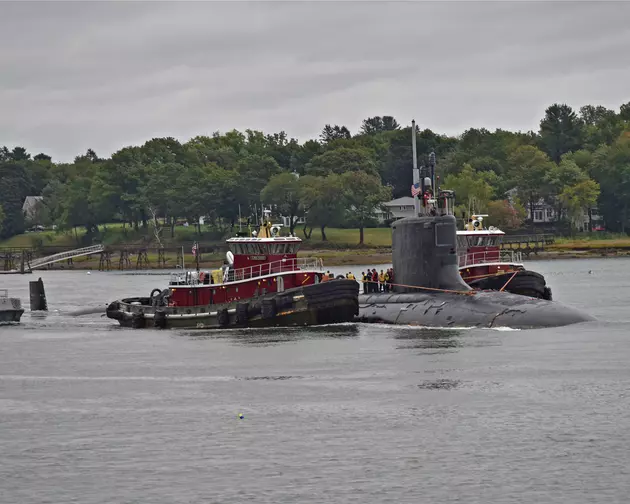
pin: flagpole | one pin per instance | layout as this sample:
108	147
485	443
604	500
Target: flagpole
416	173
183	263
197	255
239	218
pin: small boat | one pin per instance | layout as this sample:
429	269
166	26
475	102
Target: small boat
10	308
261	284
481	265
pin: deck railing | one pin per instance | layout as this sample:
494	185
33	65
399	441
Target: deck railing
250	272
473	258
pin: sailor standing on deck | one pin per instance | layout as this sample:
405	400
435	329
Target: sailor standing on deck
364	279
381	281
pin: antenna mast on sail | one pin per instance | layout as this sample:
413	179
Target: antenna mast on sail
416	172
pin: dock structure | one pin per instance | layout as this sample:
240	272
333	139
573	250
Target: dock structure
15	259
527	244
130	257
65	256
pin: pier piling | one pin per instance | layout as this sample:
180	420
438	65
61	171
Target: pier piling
38	296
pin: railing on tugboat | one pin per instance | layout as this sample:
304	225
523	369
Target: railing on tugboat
227	275
489	256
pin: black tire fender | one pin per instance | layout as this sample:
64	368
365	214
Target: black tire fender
223	317
137	320
242	313
159	319
269	308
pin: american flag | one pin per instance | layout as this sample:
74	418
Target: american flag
194	249
415	190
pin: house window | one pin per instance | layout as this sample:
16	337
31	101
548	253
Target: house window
538	215
549	213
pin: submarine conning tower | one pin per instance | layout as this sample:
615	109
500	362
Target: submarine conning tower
424	254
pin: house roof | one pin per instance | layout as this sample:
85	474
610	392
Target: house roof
31	201
404	201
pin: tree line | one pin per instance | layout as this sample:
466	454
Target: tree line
576	160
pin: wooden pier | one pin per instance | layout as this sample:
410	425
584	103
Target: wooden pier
527	244
15	259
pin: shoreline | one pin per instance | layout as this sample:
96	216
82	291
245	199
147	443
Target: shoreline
334	258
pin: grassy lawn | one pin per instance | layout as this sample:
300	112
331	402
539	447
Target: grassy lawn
590	244
373	237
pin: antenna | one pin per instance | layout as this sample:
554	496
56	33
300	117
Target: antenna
416	173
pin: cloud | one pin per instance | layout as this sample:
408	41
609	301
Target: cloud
104	75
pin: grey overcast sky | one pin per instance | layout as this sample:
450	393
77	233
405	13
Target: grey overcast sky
104	75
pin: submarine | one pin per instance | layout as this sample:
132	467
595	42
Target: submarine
430	292
428	289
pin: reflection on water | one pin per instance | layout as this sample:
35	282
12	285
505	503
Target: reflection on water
424	338
444	384
273	378
275	335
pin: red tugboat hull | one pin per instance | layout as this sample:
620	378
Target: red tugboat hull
519	281
331	302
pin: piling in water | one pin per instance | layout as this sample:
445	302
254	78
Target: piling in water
38	296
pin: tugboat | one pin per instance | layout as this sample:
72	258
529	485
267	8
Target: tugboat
10	308
481	267
261	284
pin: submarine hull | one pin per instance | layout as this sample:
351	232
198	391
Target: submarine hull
482	309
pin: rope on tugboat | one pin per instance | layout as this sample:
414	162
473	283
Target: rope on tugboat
463	293
509	280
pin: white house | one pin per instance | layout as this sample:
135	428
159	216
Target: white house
400	207
32	207
547	213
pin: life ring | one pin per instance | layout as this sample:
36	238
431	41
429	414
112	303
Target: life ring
159	291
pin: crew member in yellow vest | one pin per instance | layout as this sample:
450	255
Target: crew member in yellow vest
381	281
387	279
364	279
350	276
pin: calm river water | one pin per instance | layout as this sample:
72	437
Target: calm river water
92	413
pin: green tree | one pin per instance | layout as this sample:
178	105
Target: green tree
342	160
283	191
561	176
322	199
377	124
528	168
505	215
330	133
14	187
611	169
76	209
560	131
2	217
472	191
255	171
579	199
363	195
